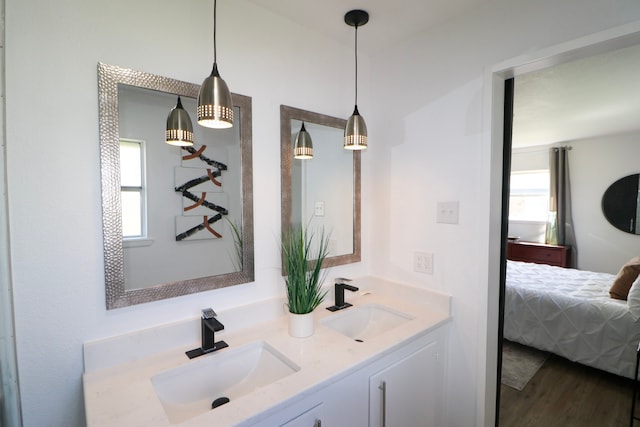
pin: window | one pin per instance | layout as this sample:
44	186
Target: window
132	189
529	196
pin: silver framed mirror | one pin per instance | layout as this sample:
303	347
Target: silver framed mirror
179	258
323	191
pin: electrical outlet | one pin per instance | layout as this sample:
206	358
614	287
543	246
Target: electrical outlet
423	262
319	209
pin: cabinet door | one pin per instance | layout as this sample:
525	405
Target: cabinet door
409	392
310	418
340	404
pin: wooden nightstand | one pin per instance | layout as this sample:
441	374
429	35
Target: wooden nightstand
539	253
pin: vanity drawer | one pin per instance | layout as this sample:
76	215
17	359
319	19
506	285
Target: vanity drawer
539	253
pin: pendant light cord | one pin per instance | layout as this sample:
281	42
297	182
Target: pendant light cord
356	51
214	31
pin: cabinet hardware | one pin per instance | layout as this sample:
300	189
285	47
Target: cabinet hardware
383	406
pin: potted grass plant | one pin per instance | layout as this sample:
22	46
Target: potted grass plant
303	253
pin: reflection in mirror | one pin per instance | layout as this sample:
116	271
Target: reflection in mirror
621	204
176	220
324	191
321	199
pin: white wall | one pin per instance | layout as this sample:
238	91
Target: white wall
437	148
53	48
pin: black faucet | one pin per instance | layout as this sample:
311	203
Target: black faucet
340	286
209	325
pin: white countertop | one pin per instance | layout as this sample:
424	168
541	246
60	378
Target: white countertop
118	370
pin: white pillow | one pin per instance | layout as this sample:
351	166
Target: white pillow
633	300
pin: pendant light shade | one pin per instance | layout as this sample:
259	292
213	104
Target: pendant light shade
215	107
355	133
179	128
303	146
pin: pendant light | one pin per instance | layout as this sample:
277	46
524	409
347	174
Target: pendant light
215	107
303	146
355	133
179	128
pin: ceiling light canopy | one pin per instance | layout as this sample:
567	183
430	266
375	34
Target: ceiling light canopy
355	133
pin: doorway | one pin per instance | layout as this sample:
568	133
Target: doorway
589	46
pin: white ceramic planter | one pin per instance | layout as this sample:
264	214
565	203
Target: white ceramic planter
301	325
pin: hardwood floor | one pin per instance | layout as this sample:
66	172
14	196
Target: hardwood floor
566	394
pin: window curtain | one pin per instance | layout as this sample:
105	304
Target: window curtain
559	229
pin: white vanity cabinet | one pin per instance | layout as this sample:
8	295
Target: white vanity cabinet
413	376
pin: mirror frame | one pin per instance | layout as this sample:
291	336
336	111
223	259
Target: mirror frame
109	77
286	158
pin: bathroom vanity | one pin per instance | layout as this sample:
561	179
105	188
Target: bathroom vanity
381	360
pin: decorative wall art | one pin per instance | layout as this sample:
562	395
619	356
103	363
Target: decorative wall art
200	183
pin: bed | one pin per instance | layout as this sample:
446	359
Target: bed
570	313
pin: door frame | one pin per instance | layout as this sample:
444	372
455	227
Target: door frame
10	409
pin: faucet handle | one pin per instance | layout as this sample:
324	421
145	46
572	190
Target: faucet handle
342	282
349	287
208	313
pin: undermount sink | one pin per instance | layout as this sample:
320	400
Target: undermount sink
365	322
190	389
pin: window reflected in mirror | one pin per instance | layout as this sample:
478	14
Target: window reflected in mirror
132	194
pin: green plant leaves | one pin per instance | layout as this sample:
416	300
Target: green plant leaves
303	268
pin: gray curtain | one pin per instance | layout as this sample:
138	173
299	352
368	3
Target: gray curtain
560	229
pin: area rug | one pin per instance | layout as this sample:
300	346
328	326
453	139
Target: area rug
520	364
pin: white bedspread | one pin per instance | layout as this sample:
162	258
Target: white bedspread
569	312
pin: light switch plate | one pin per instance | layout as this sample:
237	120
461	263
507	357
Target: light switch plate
447	212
